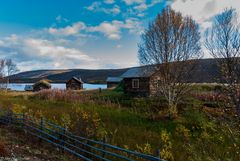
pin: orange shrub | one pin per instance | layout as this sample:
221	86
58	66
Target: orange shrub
73	96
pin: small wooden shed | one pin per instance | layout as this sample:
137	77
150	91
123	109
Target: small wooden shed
137	80
40	85
113	82
75	84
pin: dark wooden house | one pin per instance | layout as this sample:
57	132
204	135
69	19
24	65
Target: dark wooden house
137	81
144	81
113	82
75	84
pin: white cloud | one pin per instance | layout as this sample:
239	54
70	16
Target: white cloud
144	6
60	19
119	46
97	7
115	10
202	11
39	50
133	25
112	30
131	2
47	48
109	1
2	43
69	30
36	53
93	6
12	38
141	7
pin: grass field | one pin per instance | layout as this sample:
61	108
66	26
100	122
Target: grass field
204	129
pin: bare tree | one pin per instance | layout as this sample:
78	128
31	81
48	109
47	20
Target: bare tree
11	68
2	65
7	68
223	42
171	40
2	73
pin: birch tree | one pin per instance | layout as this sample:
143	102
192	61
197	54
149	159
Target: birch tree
223	42
170	43
7	68
2	68
11	68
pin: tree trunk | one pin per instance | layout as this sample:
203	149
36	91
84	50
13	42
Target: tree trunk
172	111
238	110
236	102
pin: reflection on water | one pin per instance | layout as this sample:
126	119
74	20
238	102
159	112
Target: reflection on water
21	86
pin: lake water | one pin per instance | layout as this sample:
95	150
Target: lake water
21	86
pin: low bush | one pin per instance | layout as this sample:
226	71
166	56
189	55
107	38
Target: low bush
196	120
87	124
210	96
167	147
69	96
120	87
62	95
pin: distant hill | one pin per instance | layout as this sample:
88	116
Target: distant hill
61	76
206	71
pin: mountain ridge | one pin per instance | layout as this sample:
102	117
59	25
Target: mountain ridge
206	71
63	75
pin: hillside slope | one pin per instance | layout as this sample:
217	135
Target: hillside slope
206	71
61	76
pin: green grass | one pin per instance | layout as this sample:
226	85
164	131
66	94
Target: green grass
194	135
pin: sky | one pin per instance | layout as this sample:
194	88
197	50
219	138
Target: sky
88	34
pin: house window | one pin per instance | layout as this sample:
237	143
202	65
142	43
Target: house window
135	83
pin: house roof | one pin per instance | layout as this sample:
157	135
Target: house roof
139	72
79	80
114	79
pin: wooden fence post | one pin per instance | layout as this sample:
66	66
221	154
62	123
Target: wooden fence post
10	116
23	120
104	148
158	154
41	128
62	139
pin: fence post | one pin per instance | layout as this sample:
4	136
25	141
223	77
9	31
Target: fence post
104	148
41	128
158	154
23	120
10	116
62	137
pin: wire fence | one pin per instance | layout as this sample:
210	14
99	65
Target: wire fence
81	147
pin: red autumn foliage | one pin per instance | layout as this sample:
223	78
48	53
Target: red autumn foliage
211	96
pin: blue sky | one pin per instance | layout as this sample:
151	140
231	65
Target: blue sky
90	34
